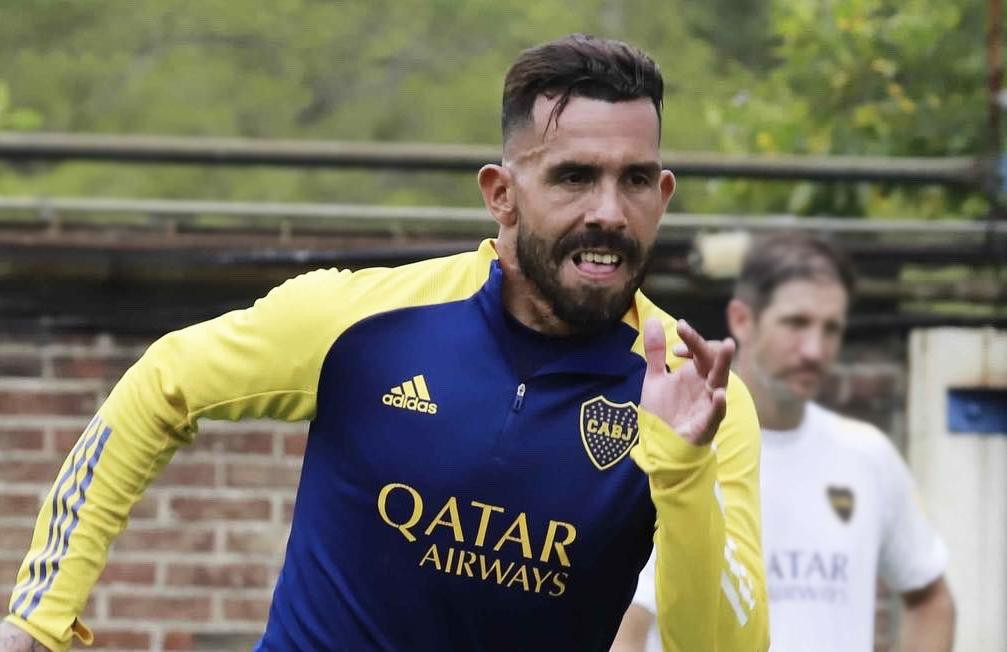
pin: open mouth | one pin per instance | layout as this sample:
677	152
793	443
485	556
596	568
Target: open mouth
597	263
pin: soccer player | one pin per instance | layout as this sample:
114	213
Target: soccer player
838	502
468	482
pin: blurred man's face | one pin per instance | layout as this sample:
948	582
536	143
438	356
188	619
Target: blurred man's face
793	343
588	200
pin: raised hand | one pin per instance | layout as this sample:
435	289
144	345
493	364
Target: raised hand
692	400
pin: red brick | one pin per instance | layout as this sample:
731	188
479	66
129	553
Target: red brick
248	610
47	402
19	503
288	511
234	442
267	541
202	509
20	366
235	576
24	439
42	473
179	641
147	508
159	608
89	366
295	444
16	538
128	573
215	641
65	439
8	571
193	474
248	474
121	639
874	386
182	539
90	610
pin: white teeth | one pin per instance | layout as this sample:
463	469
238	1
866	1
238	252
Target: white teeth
600	259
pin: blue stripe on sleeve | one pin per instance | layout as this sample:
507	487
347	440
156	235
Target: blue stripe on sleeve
36	567
81	499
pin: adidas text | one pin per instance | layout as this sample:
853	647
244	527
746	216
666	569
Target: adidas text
413	403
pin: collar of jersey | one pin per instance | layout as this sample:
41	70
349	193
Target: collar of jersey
608	353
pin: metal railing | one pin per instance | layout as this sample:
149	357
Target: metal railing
197	214
976	173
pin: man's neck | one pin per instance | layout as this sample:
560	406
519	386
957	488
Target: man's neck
523	300
776	415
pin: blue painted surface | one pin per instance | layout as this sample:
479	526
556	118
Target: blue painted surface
977	411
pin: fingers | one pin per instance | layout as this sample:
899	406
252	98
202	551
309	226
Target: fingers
721	369
718	409
655	346
702	353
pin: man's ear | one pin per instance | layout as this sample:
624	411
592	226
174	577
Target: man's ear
496	185
667	184
740	320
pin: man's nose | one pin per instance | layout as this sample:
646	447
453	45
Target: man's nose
813	345
607	209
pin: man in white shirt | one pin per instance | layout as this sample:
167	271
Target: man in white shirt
838	504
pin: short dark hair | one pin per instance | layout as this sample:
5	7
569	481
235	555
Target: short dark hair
774	260
578	65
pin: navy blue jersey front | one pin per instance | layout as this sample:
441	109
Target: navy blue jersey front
448	498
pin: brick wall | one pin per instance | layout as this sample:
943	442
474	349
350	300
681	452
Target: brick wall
195	568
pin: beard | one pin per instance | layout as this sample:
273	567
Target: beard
780	388
585	307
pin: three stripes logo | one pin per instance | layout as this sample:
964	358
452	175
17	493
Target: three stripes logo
65	501
411	395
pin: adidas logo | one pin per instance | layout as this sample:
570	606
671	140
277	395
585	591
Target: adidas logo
411	395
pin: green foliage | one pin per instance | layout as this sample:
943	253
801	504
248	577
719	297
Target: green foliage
865	77
15	119
814	76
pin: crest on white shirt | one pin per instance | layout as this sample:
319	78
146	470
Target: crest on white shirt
842	501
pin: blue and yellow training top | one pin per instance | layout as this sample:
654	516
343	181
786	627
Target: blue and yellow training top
467	483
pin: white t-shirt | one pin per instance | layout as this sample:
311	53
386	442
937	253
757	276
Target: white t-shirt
838	511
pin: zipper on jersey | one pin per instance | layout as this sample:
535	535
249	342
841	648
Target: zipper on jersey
519	398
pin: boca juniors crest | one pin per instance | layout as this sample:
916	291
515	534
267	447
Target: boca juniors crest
608	430
842	501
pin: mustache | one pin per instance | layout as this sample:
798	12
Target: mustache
613	241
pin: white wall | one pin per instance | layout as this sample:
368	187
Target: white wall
963	477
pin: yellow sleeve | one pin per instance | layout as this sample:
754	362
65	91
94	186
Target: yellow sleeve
264	361
710	581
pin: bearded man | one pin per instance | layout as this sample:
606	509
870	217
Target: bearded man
467	483
839	506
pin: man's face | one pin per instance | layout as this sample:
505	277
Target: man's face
794	341
588	200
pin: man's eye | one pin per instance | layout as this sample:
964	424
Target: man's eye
795	322
574	178
640	180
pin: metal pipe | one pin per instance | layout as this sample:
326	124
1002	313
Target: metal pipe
357	218
18	147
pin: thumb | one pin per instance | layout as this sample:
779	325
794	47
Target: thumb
655	346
